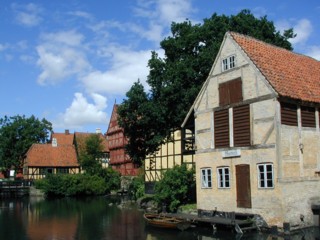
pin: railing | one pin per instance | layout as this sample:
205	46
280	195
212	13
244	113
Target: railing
15	188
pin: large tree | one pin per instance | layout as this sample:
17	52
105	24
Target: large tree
176	79
142	139
17	134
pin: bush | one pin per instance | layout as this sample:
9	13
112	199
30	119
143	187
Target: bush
111	178
72	185
136	187
176	187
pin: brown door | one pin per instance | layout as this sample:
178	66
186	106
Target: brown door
243	186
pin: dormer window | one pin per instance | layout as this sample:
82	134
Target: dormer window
229	63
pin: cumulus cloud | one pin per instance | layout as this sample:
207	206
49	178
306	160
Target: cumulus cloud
27	15
166	11
127	67
61	55
303	28
82	112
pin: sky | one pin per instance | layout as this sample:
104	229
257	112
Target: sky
70	61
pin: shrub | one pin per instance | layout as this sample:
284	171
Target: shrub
72	185
136	187
176	187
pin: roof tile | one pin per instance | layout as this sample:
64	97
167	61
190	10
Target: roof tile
290	74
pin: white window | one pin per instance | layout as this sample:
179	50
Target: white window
206	178
265	175
229	63
223	174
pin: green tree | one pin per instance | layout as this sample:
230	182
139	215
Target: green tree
176	79
135	114
90	155
176	187
17	134
89	161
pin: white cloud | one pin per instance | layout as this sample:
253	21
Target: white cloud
82	14
314	51
61	55
127	67
28	15
160	15
303	28
82	112
166	11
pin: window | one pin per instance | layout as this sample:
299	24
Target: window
206	178
62	170
230	92
229	63
289	114
308	118
223	175
265	175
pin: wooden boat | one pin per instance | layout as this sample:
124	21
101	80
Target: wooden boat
162	221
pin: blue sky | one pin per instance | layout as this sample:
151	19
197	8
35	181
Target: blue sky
70	61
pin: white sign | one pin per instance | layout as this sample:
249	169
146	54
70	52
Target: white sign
231	153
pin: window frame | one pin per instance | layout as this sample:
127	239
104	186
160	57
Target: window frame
265	179
221	177
206	178
228	63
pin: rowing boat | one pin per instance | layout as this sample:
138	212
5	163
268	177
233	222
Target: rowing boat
162	221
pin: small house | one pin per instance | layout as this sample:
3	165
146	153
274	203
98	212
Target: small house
59	156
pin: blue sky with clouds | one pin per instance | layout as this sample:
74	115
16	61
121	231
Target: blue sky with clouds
69	61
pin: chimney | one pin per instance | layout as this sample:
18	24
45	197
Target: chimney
54	142
98	130
66	131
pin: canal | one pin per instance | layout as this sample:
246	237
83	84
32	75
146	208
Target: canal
97	219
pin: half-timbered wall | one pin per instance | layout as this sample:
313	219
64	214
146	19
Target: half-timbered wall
170	154
41	172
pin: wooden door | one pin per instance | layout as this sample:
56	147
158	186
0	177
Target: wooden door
243	186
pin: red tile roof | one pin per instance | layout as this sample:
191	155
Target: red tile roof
63	138
290	74
45	155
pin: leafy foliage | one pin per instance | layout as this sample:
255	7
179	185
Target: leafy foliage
17	134
136	116
72	185
176	79
89	161
136	188
175	188
90	155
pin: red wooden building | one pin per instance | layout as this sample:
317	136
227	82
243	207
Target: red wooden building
119	160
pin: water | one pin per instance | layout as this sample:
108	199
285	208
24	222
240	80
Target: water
97	219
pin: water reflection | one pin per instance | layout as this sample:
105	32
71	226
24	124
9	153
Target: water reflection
97	219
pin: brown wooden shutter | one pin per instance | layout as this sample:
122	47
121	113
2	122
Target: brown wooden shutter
221	128
230	92
235	91
308	117
289	114
241	126
224	94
